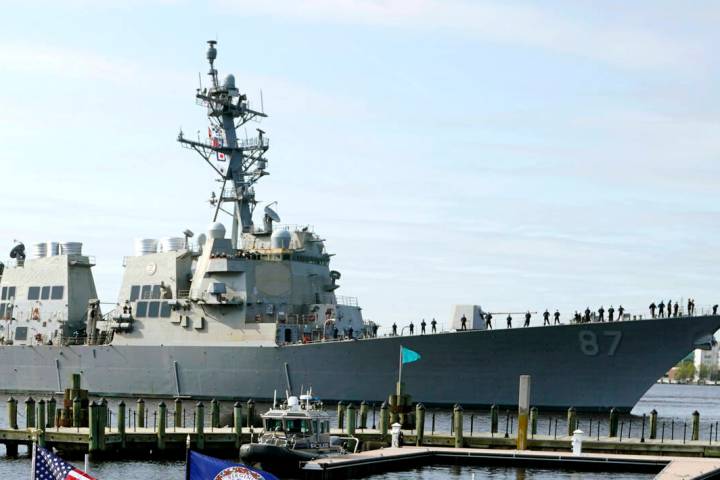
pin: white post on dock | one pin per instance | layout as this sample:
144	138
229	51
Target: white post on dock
523	412
86	468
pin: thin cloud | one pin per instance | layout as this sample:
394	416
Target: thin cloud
519	25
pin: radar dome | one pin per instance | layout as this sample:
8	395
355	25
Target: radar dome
280	239
229	82
216	230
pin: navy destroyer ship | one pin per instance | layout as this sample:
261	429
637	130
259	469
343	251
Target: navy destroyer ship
234	315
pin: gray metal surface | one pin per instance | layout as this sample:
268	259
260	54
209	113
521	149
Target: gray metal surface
472	368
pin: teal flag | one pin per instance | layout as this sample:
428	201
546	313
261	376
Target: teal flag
409	356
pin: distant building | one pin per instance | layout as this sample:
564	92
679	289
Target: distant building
707	358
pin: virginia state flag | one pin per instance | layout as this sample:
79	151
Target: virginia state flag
202	467
409	356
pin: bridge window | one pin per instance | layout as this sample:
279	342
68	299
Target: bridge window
45	293
3	293
156	292
33	293
153	309
10	293
21	333
165	310
2	310
134	292
57	292
146	292
141	309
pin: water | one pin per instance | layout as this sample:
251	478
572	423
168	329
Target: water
674	403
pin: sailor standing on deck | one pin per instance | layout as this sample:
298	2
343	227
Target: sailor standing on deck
601	313
488	321
557	317
587	315
653	307
661	309
715	307
675	309
422	327
394	329
509	321
527	320
611	314
621	310
546	318
463	323
412	328
433	326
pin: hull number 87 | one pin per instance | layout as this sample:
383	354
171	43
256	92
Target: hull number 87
592	344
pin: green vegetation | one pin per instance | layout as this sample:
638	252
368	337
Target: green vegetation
685	371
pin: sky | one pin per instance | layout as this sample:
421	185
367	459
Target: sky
516	155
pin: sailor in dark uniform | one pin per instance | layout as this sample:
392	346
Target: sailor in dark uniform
463	323
422	327
611	314
394	329
621	311
412	328
488	321
527	320
557	317
433	326
509	321
546	317
601	314
653	307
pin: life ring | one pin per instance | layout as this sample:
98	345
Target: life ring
36	313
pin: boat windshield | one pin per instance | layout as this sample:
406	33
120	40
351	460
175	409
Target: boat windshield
273	425
297	425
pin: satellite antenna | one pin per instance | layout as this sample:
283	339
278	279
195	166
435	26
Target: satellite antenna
270	217
272	214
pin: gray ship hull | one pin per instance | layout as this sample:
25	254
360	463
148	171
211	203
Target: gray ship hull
588	366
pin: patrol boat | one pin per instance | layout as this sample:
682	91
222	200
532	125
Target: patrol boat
296	432
232	316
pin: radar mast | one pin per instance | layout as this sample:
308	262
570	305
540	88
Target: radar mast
227	111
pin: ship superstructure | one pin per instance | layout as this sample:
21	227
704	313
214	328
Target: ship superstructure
260	285
234	315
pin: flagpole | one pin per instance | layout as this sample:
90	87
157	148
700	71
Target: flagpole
399	385
32	463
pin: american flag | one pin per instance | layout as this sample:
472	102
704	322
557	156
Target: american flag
51	467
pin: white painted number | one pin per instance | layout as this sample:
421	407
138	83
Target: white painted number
590	346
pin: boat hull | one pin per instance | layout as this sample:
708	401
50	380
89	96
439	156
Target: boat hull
593	366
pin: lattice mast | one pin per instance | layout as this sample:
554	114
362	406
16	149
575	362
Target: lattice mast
228	110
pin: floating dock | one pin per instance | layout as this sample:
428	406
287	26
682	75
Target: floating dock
667	468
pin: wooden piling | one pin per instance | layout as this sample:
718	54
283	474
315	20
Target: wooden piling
75	381
533	420
523	411
614	417
214	414
458	425
50	406
340	415
571	421
140	413
12	413
200	426
350	415
178	415
494	419
76	412
695	425
104	412
121	422
653	424
363	414
250	412
29	413
419	424
162	418
94	427
384	419
237	423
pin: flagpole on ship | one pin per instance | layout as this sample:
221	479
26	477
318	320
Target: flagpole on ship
399	384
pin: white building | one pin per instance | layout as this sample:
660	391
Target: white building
709	358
